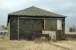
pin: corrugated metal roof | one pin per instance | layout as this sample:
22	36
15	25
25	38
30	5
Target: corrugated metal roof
34	11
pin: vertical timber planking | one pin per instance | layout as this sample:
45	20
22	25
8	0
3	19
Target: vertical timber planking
18	27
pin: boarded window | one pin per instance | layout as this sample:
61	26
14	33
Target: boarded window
59	24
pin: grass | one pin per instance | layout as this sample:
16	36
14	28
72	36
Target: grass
27	45
35	45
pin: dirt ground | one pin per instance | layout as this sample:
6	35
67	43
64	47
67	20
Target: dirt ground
33	45
69	44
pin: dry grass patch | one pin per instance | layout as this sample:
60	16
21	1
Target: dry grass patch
27	45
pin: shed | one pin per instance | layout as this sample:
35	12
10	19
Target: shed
32	22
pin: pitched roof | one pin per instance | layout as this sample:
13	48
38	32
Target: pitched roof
34	11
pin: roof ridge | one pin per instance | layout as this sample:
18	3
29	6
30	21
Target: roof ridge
33	10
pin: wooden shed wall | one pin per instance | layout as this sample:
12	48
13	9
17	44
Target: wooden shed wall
14	28
61	33
51	24
29	26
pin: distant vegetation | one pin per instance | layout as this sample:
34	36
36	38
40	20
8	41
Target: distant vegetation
3	27
72	29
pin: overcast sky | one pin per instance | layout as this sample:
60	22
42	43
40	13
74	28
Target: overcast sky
64	7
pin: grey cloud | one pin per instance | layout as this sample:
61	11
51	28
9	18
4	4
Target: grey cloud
65	7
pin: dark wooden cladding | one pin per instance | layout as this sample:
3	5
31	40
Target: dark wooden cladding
14	28
31	27
50	24
28	27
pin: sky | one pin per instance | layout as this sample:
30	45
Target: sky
64	7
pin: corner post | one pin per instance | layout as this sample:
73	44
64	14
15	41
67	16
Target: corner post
44	23
18	27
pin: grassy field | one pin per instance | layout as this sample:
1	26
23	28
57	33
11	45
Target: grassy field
32	45
69	44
